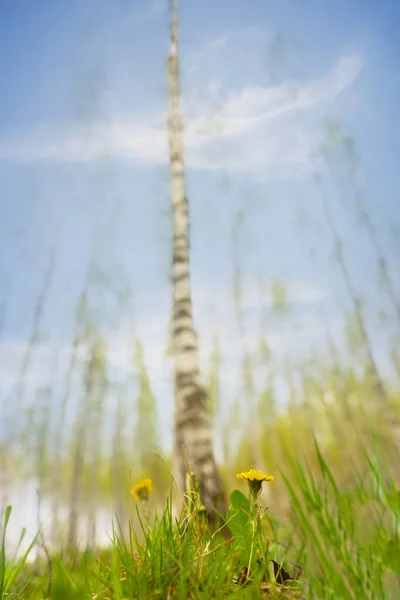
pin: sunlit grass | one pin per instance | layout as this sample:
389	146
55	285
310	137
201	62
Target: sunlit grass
338	542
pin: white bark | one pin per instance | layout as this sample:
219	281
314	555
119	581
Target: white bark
192	419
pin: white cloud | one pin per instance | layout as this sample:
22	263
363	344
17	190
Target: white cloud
253	106
259	130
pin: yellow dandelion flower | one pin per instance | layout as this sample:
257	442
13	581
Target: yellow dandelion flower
255	475
255	479
141	489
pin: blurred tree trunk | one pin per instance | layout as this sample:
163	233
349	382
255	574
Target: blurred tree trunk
381	402
193	424
98	393
57	479
119	466
80	452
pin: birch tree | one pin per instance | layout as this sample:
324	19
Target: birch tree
193	424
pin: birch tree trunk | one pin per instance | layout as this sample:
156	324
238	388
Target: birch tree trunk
193	424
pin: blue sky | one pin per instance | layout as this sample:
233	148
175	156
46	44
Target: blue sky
83	170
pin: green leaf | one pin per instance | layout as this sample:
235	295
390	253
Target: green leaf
391	556
240	521
239	500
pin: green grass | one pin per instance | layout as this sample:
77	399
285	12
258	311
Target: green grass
340	542
11	568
